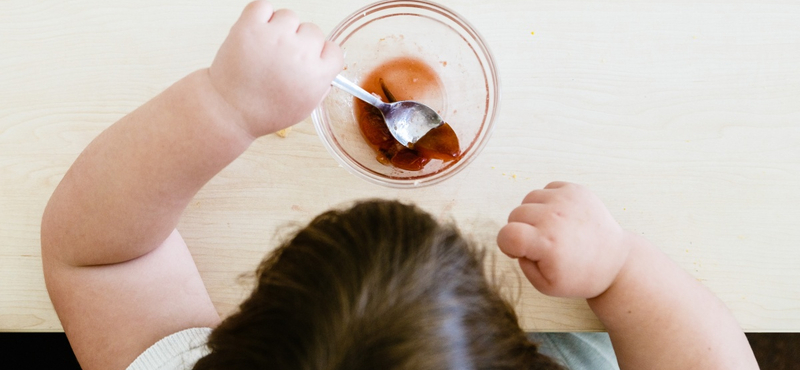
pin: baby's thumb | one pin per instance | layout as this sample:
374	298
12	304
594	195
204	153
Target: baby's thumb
515	239
534	275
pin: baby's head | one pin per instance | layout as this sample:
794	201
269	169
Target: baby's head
380	285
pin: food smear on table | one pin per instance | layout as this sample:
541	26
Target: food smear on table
404	79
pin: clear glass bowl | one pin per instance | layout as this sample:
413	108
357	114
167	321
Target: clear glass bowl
450	46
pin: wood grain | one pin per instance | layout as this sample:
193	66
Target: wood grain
683	116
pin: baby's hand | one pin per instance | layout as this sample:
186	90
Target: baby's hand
273	69
567	243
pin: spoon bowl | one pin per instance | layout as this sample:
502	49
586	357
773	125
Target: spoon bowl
407	120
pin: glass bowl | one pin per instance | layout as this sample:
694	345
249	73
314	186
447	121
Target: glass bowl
468	100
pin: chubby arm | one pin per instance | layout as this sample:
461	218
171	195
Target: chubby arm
119	275
660	317
657	315
124	194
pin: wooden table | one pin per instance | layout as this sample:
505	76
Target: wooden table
683	116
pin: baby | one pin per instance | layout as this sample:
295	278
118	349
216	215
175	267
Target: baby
379	285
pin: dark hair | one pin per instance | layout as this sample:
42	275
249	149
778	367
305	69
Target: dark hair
380	285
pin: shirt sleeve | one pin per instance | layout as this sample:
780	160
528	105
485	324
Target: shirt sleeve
178	351
578	351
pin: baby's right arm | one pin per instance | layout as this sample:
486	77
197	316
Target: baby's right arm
657	315
118	273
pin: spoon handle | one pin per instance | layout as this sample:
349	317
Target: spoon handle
356	91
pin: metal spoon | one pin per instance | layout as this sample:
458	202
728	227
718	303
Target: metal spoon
408	121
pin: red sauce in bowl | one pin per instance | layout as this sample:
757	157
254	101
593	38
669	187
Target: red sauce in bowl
404	79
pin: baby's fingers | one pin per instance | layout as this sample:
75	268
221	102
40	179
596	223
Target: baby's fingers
285	19
529	213
532	272
538	196
257	11
558	185
332	54
521	240
311	31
